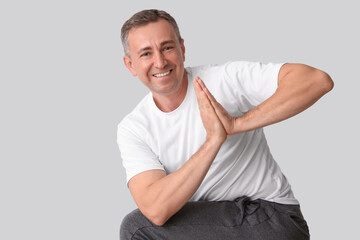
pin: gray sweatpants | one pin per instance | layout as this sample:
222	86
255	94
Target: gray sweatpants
239	219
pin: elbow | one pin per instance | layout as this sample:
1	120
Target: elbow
158	221
156	216
325	83
320	83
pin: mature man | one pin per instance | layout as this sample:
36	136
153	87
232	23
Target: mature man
196	158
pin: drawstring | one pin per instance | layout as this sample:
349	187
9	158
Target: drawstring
246	206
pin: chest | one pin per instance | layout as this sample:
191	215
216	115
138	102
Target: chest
175	139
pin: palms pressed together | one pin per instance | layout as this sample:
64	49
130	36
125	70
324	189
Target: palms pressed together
217	121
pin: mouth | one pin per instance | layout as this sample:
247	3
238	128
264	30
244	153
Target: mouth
162	74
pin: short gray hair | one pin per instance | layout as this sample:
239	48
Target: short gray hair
142	18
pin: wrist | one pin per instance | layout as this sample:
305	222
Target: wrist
238	125
215	141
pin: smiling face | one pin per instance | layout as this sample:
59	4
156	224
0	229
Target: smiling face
157	58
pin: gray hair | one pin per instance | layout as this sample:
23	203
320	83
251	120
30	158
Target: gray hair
142	18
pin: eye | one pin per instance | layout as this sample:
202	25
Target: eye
145	54
168	48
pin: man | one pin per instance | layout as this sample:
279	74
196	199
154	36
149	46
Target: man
197	162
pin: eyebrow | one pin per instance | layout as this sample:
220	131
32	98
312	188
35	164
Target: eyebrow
161	45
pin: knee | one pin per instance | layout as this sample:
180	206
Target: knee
132	223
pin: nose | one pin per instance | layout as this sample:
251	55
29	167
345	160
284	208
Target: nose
159	61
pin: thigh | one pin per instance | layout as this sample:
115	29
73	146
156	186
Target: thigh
291	218
196	220
272	221
241	219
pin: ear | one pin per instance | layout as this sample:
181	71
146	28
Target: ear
183	49
129	64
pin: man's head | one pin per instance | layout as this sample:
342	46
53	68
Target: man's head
155	53
142	18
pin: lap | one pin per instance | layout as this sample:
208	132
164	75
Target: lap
240	219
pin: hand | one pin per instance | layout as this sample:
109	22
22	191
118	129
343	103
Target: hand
211	121
226	119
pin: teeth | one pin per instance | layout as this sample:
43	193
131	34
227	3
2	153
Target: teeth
162	74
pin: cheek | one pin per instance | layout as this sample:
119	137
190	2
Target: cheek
181	58
143	68
176	59
180	61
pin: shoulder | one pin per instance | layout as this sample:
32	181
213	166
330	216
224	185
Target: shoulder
228	67
201	69
136	121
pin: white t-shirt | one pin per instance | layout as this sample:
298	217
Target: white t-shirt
151	139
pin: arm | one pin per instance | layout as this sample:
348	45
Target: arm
299	86
159	196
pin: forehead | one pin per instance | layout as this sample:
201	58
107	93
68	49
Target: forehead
151	33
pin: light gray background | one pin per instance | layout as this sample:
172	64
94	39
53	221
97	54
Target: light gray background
64	89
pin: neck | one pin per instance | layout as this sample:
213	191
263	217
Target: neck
170	102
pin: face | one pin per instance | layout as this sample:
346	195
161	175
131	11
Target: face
157	57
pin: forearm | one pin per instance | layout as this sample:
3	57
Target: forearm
297	91
166	196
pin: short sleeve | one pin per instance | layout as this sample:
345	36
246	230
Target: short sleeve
254	82
136	155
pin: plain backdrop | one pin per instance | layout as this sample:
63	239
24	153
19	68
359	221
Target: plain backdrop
64	89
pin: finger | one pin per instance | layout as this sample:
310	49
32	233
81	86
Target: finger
219	109
200	82
206	90
197	85
202	97
197	89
